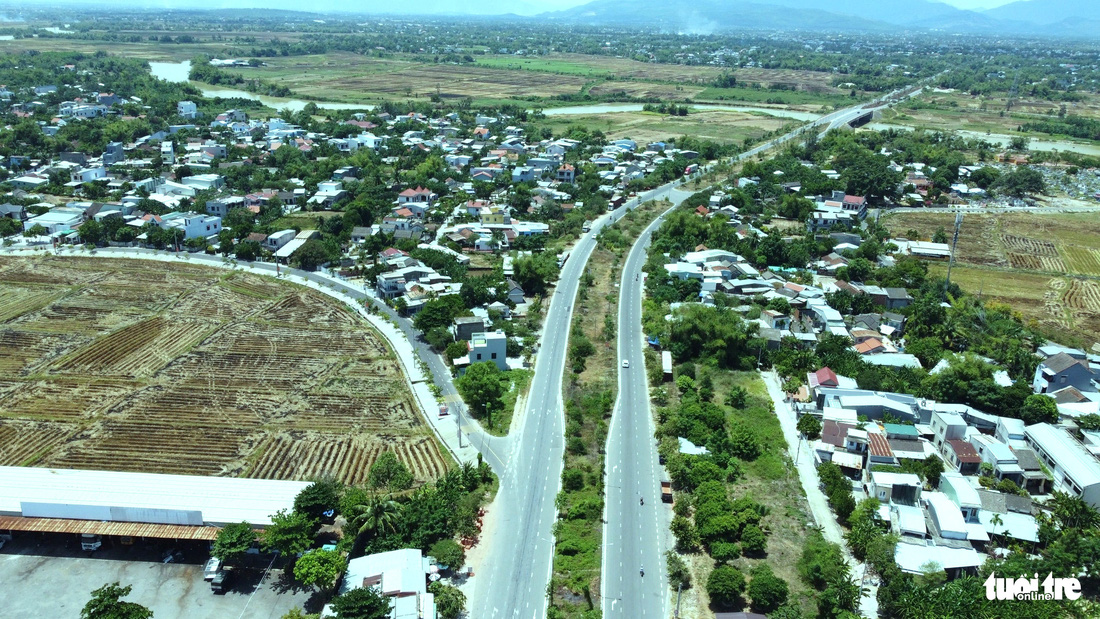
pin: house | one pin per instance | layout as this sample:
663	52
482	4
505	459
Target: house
113	154
360	234
486	346
204	181
898	298
523	174
13	211
187	109
776	320
277	240
515	292
220	207
947	426
466	326
959	491
418	195
400	575
961	455
1060	371
566	173
56	219
168	152
900	488
1000	456
193	226
1074	469
30	182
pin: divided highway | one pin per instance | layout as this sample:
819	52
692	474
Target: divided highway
636	536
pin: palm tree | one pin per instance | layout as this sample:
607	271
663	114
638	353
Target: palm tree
377	514
996	521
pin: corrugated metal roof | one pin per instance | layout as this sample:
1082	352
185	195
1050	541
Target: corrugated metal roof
97	527
880	446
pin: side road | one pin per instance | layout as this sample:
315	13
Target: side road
801	454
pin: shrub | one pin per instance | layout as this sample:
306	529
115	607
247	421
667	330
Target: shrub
725	586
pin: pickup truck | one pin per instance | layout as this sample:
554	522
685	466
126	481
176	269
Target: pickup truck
666	491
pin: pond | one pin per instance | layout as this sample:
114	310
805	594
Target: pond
178	72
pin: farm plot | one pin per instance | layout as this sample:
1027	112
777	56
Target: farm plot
1083	260
23	442
457	81
196	371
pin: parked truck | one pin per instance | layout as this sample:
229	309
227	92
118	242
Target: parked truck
666	491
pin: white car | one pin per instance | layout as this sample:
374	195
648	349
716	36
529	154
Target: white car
626	363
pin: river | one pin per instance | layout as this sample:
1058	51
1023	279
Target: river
1001	139
178	72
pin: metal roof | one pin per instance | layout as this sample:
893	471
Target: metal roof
97	527
220	500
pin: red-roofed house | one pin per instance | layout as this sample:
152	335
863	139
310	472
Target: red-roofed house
824	377
962	455
856	205
566	173
870	346
418	195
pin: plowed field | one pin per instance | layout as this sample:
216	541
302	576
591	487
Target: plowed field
144	366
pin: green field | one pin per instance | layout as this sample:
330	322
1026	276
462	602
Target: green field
722	126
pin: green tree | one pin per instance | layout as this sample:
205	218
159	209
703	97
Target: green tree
233	541
450	602
376	515
320	568
753	539
678	573
319	497
766	590
534	273
361	603
289	533
1039	408
36	230
313	254
483	387
390	473
106	603
448	552
725	586
298	613
92	231
247	250
809	426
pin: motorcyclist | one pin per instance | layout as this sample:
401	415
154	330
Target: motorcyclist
641	571
641	500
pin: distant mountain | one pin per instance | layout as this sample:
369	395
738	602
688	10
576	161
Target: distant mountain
707	16
702	16
1045	12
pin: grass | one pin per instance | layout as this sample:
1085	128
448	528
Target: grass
771	480
983	114
722	126
304	220
519	381
778	97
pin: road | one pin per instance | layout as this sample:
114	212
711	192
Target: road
636	535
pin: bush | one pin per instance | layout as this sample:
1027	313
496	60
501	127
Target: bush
725	586
753	540
767	591
724	552
572	480
687	538
319	497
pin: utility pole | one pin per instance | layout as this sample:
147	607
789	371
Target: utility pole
951	260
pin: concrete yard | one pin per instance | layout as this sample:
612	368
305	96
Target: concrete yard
44	577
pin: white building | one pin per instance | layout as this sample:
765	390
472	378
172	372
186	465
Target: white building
204	181
168	152
490	346
1074	469
187	109
193	225
401	575
56	219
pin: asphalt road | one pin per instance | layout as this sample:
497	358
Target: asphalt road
636	534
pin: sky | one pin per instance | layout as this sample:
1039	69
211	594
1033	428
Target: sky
523	7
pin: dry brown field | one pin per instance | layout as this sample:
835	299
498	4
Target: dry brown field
144	366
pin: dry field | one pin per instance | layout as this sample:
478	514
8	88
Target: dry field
1044	265
721	126
142	366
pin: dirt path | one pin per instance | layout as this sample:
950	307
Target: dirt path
802	455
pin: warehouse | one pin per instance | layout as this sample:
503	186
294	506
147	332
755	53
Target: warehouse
124	506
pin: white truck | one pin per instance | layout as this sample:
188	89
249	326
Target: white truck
90	542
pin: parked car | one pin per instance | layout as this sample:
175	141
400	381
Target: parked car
221	581
211	569
90	542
